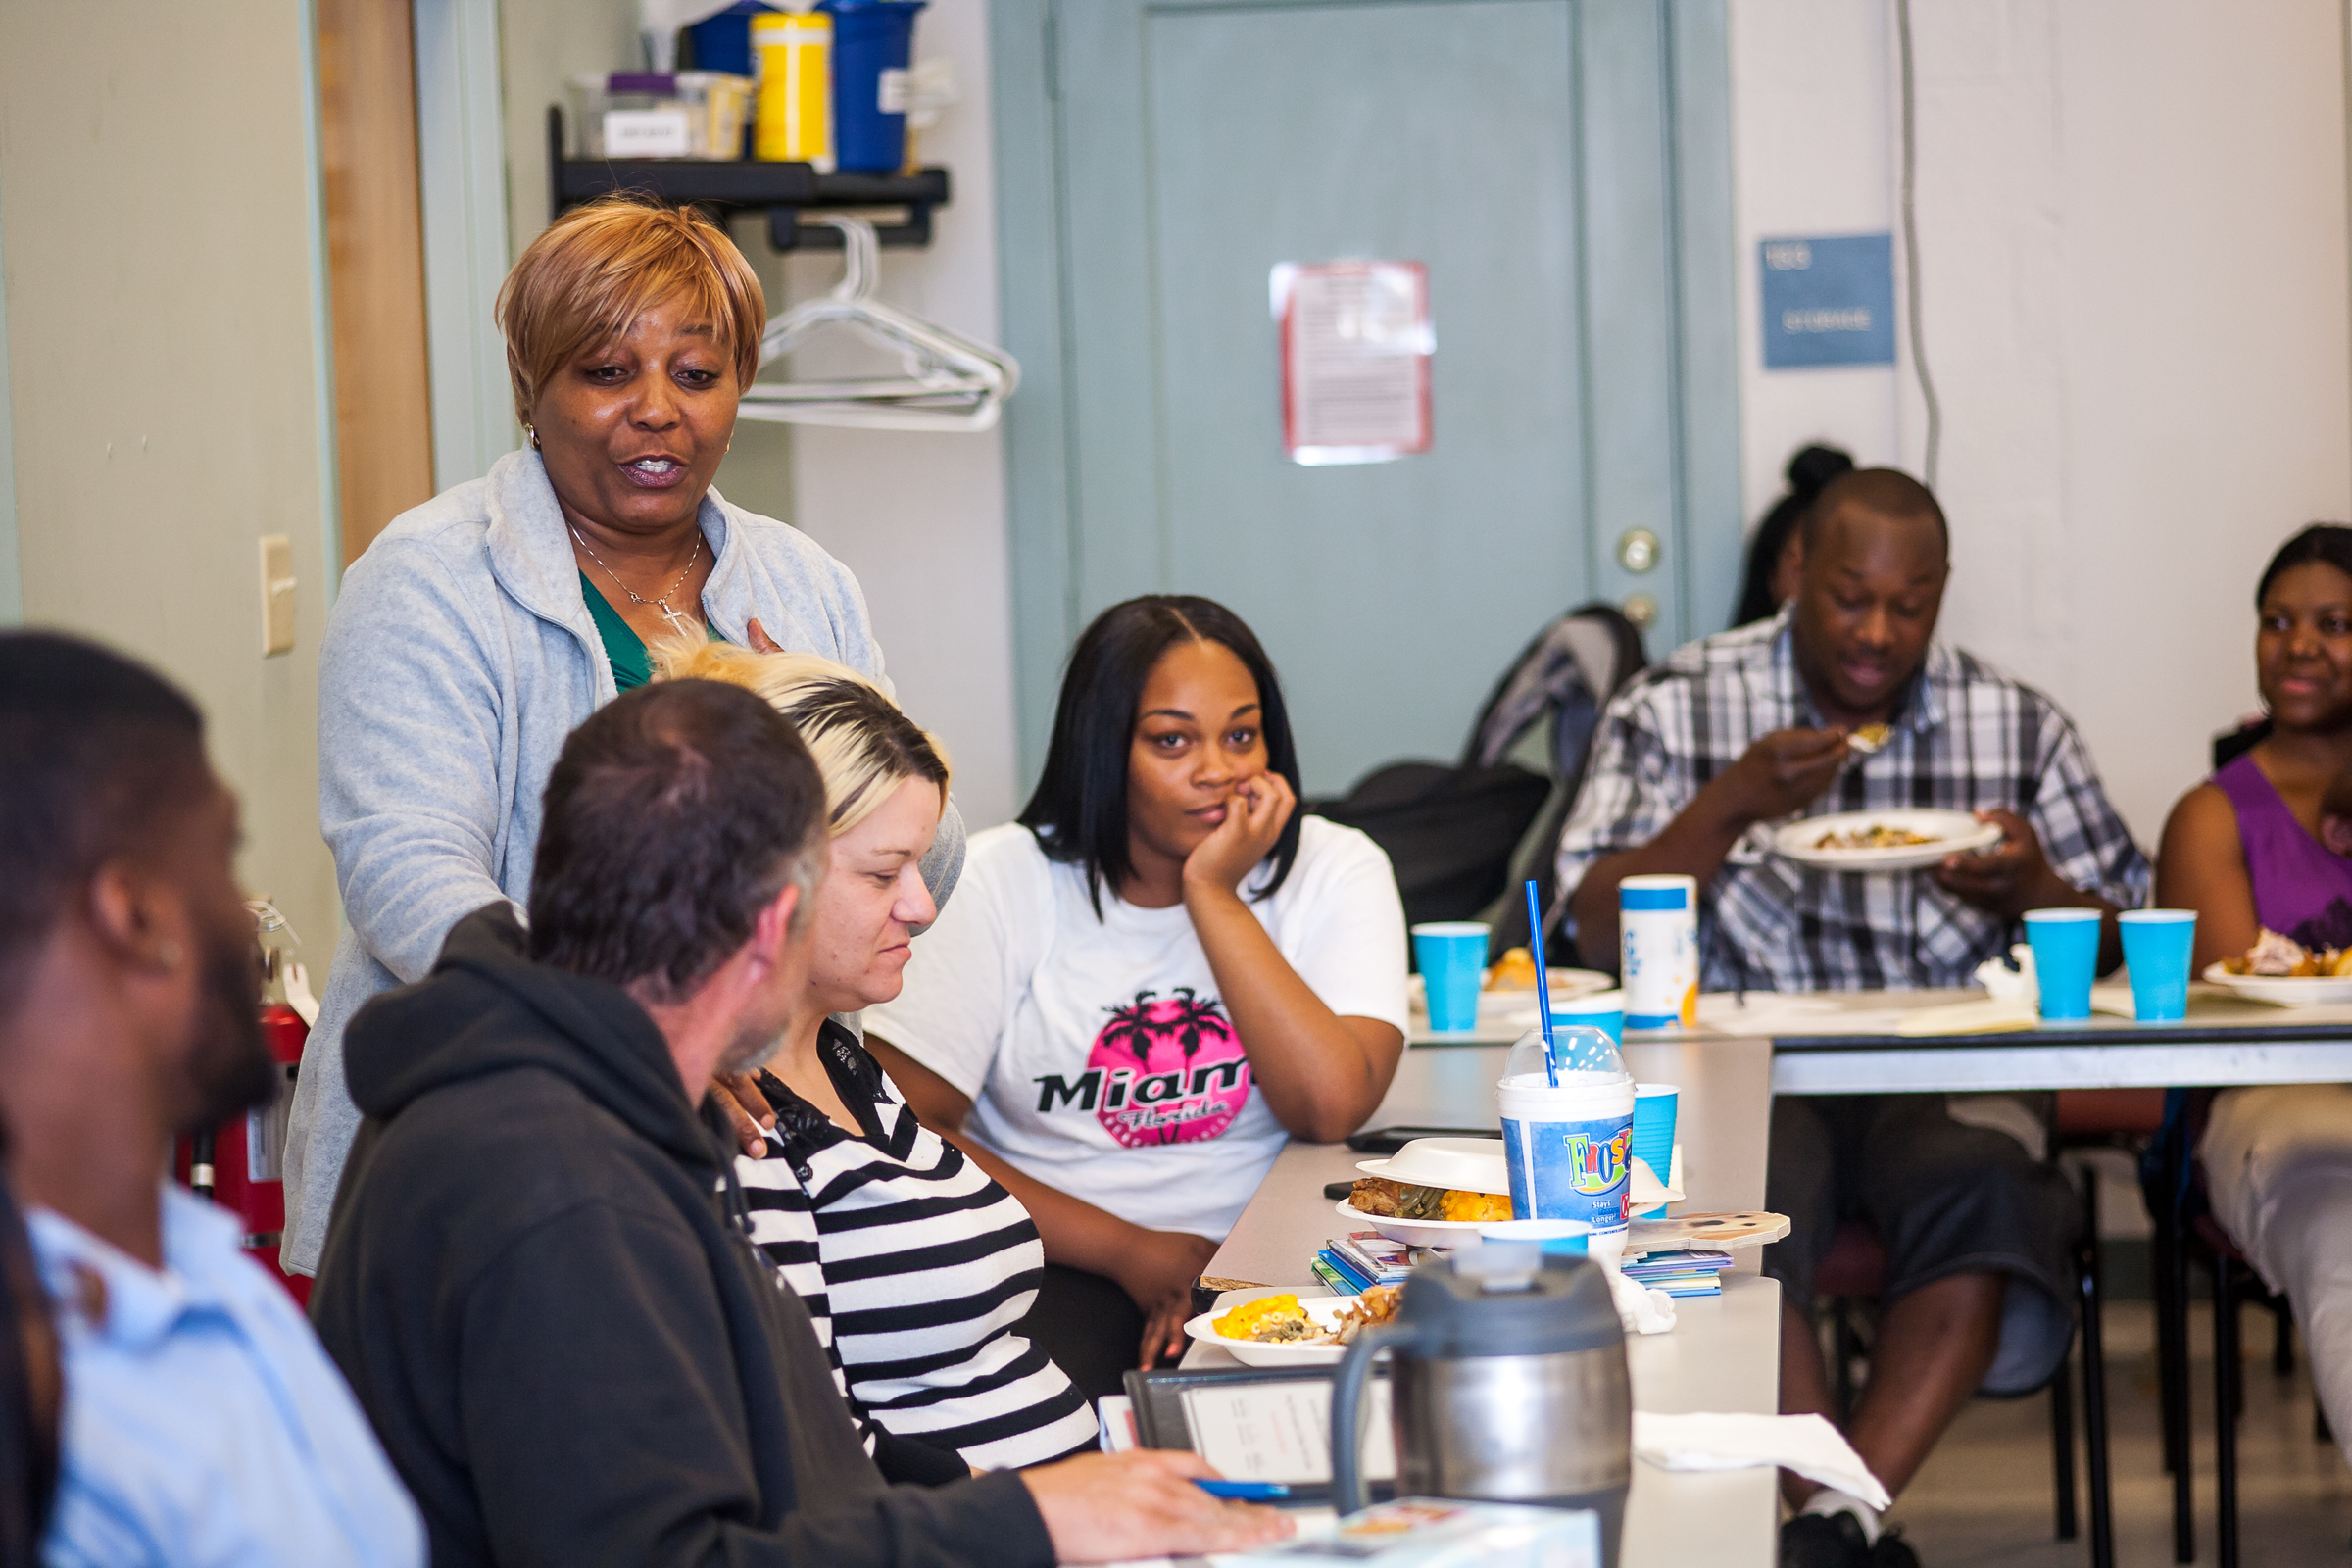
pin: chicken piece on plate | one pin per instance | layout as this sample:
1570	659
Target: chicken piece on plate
2276	954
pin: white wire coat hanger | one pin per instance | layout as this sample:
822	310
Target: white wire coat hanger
950	383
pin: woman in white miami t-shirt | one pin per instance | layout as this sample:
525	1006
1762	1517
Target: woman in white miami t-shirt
1151	979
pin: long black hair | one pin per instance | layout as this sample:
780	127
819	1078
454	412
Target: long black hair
1809	471
1079	812
2327	544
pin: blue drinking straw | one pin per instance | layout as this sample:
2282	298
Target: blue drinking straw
1535	940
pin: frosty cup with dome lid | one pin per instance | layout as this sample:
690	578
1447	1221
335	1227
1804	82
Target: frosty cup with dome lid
1569	1143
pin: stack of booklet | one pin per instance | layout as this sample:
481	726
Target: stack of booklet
1353	1264
1697	1271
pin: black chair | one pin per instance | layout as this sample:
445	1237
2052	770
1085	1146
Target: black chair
1855	1269
1463	836
2186	1233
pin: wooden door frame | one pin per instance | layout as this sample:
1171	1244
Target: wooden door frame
1033	249
12	579
381	409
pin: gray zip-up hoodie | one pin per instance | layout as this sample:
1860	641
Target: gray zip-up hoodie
459	655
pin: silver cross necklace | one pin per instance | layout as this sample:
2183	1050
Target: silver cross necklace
678	620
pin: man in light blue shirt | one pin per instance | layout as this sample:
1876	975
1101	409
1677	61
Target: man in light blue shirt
203	1424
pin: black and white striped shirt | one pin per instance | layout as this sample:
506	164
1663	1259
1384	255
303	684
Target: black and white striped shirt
915	1265
1967	738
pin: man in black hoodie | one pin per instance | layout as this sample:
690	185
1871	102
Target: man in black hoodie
536	1278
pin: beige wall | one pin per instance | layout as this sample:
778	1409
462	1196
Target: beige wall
541	45
157	211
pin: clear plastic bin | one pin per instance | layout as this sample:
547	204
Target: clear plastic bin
685	114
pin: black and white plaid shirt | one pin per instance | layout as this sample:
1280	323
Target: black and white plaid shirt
1968	738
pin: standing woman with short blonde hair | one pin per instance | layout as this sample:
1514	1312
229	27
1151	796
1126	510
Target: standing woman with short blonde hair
481	628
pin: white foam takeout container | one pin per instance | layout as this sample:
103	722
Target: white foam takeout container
1465	1165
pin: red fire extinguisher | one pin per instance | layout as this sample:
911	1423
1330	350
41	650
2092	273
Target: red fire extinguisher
239	1164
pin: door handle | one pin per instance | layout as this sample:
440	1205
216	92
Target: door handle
1638	550
1641	610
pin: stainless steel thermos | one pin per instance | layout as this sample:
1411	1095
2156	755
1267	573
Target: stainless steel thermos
1508	1384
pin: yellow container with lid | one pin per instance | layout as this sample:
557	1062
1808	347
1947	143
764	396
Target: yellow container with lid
793	52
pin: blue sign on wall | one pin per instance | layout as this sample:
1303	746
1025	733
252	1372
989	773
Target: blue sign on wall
1828	301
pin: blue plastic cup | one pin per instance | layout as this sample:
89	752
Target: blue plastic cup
1603	1009
873	42
1451	956
2066	957
2157	945
1653	1135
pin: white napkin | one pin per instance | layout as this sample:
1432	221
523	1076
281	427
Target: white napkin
1805	1444
2004	984
1646	1190
1639	1309
1990	1016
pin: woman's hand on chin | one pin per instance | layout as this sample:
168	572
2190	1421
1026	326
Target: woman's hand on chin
1255	815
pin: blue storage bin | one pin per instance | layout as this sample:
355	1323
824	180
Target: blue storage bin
723	42
873	43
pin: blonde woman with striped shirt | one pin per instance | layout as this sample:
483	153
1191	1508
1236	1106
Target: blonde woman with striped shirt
913	1261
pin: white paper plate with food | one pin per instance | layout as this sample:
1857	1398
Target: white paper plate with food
1422	1232
1513	995
2284	990
1463	1164
1515	971
1281	1330
1895	839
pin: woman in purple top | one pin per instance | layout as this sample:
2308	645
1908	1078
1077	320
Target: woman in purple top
2250	849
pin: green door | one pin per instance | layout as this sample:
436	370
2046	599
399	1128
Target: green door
1559	168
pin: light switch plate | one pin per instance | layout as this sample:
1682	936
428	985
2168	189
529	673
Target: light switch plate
278	594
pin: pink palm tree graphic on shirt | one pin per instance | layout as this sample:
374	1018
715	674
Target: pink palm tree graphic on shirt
1173	1070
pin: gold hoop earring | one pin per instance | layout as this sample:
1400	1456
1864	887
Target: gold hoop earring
533	434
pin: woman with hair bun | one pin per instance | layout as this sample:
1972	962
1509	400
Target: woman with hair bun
1776	555
481	628
2262	845
1152	979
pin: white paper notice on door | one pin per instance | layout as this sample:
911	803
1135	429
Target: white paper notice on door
1356	341
1282	1431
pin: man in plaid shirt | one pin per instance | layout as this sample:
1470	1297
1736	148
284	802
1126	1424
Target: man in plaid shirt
1697	762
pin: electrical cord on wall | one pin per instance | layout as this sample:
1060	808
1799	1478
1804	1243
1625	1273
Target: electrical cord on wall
1919	346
